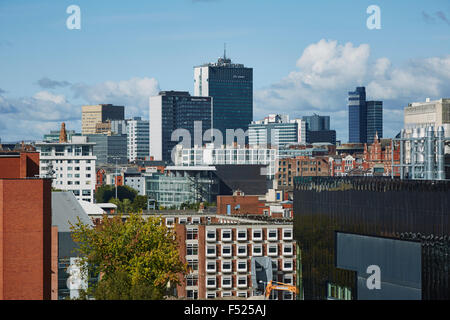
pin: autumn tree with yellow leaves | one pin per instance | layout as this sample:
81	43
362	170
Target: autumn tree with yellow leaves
132	258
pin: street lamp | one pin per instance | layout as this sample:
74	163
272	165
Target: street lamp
264	283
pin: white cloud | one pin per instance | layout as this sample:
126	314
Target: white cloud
133	94
31	117
328	70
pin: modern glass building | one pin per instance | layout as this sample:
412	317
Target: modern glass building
138	143
374	120
317	123
172	110
390	218
357	116
365	118
109	148
231	87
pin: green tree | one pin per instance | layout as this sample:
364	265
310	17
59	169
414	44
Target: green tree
139	203
107	192
134	259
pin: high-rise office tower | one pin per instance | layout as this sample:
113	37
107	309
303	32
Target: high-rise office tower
318	129
138	143
374	120
231	87
365	118
357	116
171	110
92	115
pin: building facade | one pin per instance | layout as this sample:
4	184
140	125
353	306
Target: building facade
71	165
230	155
138	142
26	232
289	168
172	110
91	115
219	251
231	87
109	149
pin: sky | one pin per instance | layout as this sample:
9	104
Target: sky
305	55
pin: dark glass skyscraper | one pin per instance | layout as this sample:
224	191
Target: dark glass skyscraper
231	87
317	123
374	119
365	118
172	110
357	116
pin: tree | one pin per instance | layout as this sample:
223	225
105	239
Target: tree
107	192
136	258
139	203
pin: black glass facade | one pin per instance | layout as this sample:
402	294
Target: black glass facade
180	111
374	120
231	87
398	209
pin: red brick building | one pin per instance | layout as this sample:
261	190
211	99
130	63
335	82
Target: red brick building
25	229
301	166
379	156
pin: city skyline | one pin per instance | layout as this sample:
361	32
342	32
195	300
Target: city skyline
50	71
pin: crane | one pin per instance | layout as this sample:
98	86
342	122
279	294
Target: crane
274	285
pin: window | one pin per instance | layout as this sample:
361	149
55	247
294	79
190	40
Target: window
192	280
182	220
287	249
191	233
192	249
242	235
287	234
211	266
242	266
242	251
287	265
226	250
226	282
242	294
192	264
288	279
169	221
192	294
242	281
196	220
226	266
86	193
226	294
211	295
211	235
226	235
257	235
257	250
211	282
272	250
211	251
272	234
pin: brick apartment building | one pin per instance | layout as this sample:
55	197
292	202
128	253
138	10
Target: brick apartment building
25	229
218	251
289	168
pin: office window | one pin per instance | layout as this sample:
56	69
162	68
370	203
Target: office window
226	282
192	249
191	233
192	294
211	235
287	234
192	280
211	282
242	250
257	234
192	264
272	234
242	281
226	266
211	266
242	266
226	235
226	250
257	250
242	234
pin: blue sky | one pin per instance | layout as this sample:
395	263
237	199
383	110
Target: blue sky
128	50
